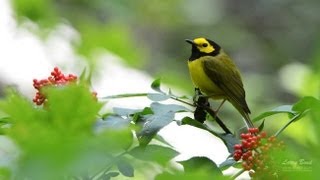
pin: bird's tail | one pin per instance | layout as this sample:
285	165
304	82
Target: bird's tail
247	120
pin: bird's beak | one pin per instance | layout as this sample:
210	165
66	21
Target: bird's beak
190	41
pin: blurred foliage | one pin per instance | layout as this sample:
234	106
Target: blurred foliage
275	43
66	138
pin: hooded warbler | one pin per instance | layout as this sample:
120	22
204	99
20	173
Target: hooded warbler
216	75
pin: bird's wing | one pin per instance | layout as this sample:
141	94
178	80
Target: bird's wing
224	73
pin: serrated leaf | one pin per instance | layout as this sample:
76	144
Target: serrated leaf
155	153
277	110
201	164
125	168
158	97
155	85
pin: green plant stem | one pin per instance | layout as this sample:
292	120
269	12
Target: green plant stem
218	120
288	123
125	95
145	94
238	174
109	166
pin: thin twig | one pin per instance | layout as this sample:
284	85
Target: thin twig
182	101
288	123
125	95
218	120
238	174
106	169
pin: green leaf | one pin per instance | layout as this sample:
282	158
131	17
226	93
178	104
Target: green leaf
189	121
305	103
72	107
281	109
125	167
153	124
86	76
201	164
109	175
158	97
163	115
261	126
113	122
155	85
162	140
155	153
227	163
124	111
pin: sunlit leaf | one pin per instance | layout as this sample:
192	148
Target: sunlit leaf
305	103
155	153
155	85
201	164
281	109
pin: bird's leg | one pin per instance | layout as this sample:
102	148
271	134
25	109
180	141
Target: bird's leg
197	95
219	107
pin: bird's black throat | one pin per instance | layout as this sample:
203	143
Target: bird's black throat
196	54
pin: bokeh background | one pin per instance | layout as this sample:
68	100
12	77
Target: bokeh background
276	45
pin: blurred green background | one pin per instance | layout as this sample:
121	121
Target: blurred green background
276	44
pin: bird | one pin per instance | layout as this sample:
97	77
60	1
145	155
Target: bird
217	76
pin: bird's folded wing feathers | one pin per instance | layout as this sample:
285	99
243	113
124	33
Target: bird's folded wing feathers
226	76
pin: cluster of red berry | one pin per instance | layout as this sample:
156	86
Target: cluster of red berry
254	151
56	78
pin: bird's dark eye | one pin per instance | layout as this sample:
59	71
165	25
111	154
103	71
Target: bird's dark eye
204	44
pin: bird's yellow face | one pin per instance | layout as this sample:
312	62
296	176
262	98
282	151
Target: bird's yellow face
203	45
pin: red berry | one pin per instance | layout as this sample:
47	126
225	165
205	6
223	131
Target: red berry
263	134
236	157
237	146
253	130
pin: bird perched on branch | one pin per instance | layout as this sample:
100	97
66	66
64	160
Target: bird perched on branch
216	75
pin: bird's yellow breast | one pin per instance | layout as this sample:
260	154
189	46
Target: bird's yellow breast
201	80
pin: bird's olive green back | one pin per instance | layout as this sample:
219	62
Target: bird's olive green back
224	73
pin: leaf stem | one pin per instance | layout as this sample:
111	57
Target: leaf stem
238	174
145	94
125	95
182	101
105	170
288	123
218	120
